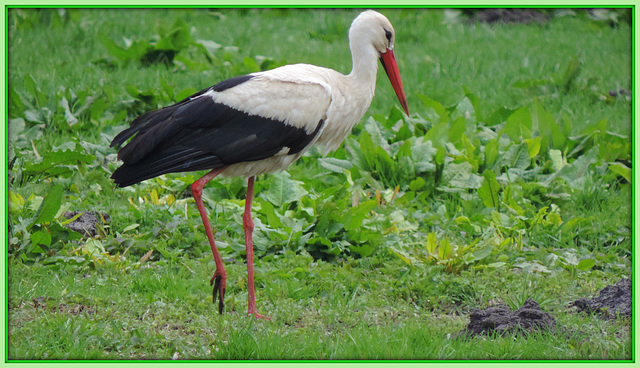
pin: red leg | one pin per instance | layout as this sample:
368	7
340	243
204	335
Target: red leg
220	275
248	237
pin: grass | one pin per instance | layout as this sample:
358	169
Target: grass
320	312
379	251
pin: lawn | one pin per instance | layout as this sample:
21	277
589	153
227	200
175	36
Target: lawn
510	180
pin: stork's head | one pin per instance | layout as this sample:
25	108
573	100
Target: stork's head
374	29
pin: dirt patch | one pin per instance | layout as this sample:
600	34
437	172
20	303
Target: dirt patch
88	223
506	16
614	301
622	93
48	304
502	320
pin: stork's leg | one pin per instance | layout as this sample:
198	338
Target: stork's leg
220	275
248	237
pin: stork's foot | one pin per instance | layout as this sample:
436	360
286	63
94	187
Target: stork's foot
258	315
219	282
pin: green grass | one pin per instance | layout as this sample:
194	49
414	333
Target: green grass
319	311
379	251
435	59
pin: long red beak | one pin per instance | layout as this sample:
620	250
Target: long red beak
390	66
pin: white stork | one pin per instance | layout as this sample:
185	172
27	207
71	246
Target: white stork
259	123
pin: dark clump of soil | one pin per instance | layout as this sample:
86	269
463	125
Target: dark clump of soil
88	222
614	301
620	93
506	16
502	321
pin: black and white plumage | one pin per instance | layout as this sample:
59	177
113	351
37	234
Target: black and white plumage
259	123
199	133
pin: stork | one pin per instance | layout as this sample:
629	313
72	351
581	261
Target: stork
259	123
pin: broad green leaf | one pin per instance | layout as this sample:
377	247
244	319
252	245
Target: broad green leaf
115	50
94	247
490	190
544	123
518	125
461	175
532	267
251	64
68	115
570	74
586	264
517	156
395	115
379	135
438	134
482	253
599	128
441	114
423	155
611	151
621	169
577	172
458	127
478	105
431	244
175	39
56	158
272	217
49	206
32	87
445	250
417	184
367	149
499	116
208	47
133	50
16	106
491	152
354	216
130	227
33	116
557	161
572	225
585	142
558	139
283	189
335	164
440	155
15	200
463	109
364	249
533	146
400	255
456	174
64	260
154	197
571	259
41	237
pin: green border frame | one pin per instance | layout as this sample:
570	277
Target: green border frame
4	294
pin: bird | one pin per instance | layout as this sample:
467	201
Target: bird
258	123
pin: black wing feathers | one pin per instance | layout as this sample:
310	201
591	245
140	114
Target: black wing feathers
143	121
197	134
231	82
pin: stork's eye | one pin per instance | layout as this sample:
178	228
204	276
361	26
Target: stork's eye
388	34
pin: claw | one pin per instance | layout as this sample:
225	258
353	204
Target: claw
259	316
219	283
